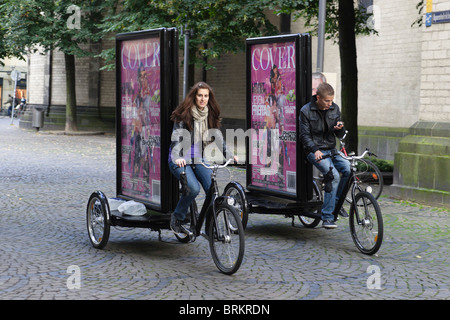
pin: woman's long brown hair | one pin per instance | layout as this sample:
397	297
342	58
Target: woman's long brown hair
183	111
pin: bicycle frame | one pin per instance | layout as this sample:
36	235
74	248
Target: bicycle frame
212	199
341	140
351	183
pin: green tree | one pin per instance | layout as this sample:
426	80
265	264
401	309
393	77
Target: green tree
42	25
420	6
5	50
219	26
344	20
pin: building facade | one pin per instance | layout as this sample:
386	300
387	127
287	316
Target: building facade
7	84
403	96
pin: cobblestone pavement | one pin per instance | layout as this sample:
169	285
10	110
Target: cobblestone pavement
46	180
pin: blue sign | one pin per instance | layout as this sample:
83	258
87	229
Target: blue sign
428	19
441	16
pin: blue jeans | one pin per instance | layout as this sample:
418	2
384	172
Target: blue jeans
340	167
196	175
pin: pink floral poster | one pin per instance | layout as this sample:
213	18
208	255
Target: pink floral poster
140	85
273	116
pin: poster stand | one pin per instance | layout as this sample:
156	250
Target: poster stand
146	94
278	79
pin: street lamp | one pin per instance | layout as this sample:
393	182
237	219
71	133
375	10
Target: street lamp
15	76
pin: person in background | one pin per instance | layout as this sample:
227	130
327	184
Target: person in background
319	126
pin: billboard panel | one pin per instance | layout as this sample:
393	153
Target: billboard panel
140	121
143	65
274	95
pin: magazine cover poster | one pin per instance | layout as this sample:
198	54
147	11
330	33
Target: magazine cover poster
273	116
140	118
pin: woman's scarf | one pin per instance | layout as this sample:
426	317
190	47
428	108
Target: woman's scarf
200	124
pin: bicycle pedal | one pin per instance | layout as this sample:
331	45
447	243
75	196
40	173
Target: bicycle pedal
188	232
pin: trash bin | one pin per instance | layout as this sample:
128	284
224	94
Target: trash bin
37	120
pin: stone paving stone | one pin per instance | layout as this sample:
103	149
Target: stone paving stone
45	183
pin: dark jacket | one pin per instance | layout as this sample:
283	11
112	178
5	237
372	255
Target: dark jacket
317	128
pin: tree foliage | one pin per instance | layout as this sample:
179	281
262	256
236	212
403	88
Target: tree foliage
344	20
420	6
47	24
42	25
218	26
308	11
5	50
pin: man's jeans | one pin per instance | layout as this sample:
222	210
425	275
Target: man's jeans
339	165
196	175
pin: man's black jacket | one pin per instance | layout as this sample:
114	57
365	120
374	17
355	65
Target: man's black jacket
317	128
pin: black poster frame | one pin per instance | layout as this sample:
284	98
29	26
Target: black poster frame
303	73
168	95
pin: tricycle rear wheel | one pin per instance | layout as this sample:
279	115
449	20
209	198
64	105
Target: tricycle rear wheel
312	222
236	191
98	220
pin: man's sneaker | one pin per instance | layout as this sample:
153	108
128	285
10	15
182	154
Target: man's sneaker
329	224
175	224
343	213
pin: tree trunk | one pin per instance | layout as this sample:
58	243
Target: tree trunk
191	75
205	61
349	72
71	101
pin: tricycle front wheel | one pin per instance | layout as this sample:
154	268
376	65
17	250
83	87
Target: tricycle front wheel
226	239
366	223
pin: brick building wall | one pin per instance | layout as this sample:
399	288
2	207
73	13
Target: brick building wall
403	72
435	69
58	80
389	66
228	82
38	78
404	76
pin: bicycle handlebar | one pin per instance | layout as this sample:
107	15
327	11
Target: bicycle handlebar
345	135
216	166
349	158
366	152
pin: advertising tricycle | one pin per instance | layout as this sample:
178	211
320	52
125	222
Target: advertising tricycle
279	180
146	94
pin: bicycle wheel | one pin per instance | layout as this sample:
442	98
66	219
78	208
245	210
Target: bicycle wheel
366	223
369	178
98	220
226	239
309	222
236	191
